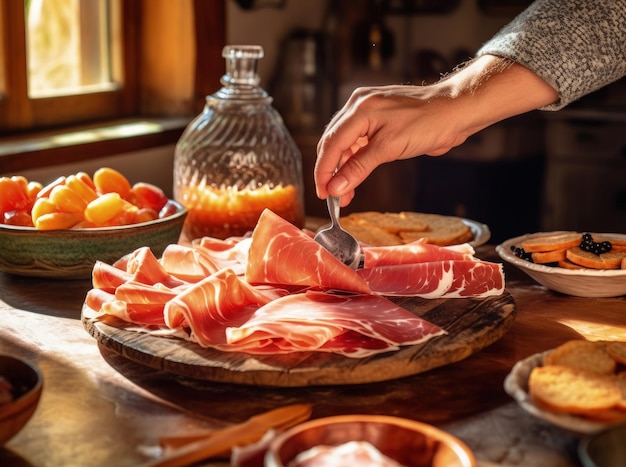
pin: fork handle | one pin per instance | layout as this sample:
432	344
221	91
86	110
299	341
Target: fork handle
333	203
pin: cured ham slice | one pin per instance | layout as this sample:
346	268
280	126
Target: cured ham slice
415	252
278	291
437	279
281	253
208	307
144	267
188	264
353	325
133	302
231	253
107	277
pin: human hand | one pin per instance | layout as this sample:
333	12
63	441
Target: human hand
382	124
387	123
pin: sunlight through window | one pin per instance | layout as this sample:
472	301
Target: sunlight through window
67	47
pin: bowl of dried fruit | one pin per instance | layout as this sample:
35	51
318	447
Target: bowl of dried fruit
60	230
368	439
581	264
20	389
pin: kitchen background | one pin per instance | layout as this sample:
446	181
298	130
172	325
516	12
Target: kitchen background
540	171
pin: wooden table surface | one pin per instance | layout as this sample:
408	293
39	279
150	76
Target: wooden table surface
100	409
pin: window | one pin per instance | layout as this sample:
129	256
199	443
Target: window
69	47
66	61
72	64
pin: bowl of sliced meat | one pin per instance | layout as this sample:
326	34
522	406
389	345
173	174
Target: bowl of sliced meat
367	440
581	264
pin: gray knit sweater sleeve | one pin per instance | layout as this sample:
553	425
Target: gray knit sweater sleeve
577	46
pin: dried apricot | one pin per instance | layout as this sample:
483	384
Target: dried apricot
149	196
67	200
109	180
13	195
58	220
104	208
21	218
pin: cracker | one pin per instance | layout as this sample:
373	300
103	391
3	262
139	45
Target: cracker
387	228
441	231
392	222
584	355
369	233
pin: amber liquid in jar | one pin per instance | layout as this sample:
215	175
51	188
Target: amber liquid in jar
222	213
237	158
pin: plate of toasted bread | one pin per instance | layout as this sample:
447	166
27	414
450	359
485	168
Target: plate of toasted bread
398	228
579	386
582	264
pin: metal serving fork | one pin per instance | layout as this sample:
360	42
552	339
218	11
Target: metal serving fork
338	241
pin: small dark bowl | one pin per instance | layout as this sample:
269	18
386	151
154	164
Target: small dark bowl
408	442
606	448
15	414
71	254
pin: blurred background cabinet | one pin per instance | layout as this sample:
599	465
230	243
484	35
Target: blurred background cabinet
585	186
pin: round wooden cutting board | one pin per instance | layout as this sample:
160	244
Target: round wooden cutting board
471	325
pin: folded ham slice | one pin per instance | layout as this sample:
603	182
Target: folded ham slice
281	253
437	279
354	325
279	291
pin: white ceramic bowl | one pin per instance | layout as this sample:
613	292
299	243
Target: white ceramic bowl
406	441
27	379
71	254
576	282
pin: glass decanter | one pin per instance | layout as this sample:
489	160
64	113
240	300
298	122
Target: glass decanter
237	158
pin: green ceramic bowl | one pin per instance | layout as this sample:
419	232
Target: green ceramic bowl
71	254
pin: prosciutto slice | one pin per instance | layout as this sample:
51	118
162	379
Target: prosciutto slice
219	301
278	291
281	253
437	279
353	325
415	252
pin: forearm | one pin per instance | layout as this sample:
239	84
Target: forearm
577	46
490	89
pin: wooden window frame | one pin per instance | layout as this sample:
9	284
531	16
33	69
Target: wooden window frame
170	63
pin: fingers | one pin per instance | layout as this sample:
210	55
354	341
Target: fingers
337	146
341	178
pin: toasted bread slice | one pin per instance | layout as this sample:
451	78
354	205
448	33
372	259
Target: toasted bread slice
582	354
616	244
612	415
610	260
617	351
544	257
621	384
551	242
567	264
572	390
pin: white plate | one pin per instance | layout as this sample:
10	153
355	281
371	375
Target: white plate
516	385
576	282
480	231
